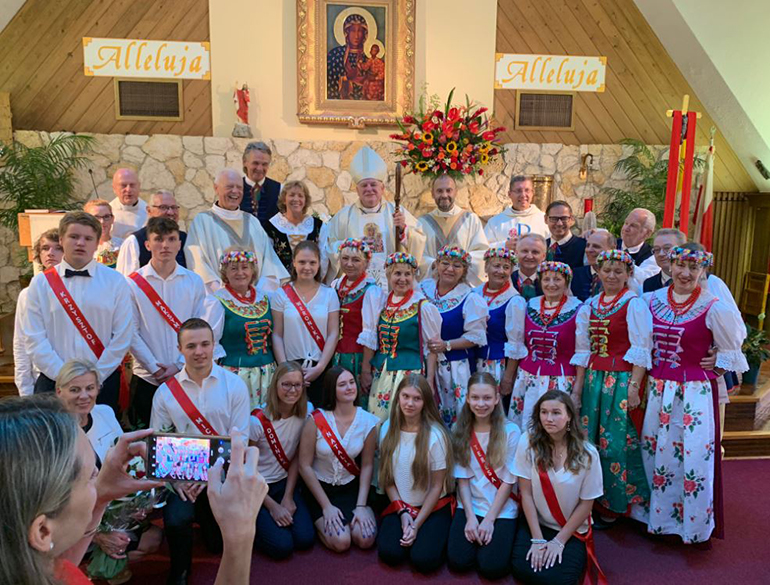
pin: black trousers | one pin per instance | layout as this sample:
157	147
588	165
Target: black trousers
108	394
492	561
316	389
568	572
142	393
278	542
427	550
178	518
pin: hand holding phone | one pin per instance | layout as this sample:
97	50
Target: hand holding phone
185	459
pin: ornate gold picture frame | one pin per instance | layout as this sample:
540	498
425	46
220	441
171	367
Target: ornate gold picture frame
355	61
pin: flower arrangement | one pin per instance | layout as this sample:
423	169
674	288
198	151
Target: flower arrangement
457	141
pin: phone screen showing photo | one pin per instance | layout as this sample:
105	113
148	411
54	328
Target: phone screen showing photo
182	458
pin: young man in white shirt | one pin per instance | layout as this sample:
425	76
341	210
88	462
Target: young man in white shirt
216	402
164	296
77	310
518	220
129	210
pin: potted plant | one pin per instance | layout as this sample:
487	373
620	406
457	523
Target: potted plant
755	349
40	177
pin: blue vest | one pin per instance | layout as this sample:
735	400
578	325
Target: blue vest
453	327
496	336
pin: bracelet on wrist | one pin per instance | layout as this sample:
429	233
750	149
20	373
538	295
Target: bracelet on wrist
361	506
538	541
556	540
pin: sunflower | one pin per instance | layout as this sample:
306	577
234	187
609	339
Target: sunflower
484	148
421	166
451	147
427	138
484	158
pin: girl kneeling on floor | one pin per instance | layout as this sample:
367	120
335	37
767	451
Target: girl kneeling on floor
336	461
415	456
559	478
484	448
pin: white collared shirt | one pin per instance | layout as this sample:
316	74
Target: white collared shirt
128	218
564	240
298	343
289	431
154	341
327	467
103	299
223	400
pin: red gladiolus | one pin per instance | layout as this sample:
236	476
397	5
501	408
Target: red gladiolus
473	126
427	126
479	112
488	135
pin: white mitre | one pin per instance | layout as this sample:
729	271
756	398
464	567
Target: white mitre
367	164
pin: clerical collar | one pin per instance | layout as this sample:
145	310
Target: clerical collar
451	213
124	207
226	213
634	249
565	240
369	210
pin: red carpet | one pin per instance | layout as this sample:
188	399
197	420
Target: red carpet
626	553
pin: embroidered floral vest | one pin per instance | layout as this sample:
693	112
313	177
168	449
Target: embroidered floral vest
246	335
550	349
398	340
351	321
609	339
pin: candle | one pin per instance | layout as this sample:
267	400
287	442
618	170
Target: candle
588	205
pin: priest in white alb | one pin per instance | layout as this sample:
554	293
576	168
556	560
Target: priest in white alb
225	225
520	219
129	210
449	225
373	219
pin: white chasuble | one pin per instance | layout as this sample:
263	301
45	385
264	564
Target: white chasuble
354	221
510	221
455	227
213	231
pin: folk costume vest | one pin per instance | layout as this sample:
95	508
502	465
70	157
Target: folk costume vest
246	334
351	320
609	338
399	339
550	348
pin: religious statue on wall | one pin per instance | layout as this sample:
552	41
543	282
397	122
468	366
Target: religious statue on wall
241	99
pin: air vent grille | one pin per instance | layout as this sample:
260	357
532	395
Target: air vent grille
148	100
545	110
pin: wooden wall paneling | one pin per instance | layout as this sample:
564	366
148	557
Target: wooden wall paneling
6	126
734	228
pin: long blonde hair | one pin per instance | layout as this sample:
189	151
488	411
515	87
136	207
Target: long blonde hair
461	433
39	464
273	402
541	444
430	419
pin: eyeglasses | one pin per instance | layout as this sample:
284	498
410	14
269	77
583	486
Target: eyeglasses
561	219
657	249
104	217
165	208
290	386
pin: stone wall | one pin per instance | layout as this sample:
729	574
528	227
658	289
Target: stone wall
187	166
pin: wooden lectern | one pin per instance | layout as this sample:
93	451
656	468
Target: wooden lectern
34	222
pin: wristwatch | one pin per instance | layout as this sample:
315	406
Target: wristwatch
448	346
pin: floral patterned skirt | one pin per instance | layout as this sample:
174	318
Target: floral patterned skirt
257	381
352	362
527	390
384	384
452	388
678	451
494	367
604	414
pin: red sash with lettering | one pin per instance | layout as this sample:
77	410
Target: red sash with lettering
74	313
307	318
272	438
398	505
204	426
490	474
339	451
593	574
157	302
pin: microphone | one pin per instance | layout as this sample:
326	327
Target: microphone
93	182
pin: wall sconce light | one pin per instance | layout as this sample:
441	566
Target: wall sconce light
585	163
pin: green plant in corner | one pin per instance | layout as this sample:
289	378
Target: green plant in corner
40	177
755	346
646	176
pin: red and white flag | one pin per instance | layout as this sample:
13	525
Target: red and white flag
704	209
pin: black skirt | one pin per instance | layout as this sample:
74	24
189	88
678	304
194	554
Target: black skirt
343	497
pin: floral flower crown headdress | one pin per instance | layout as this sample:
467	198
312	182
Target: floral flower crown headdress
558	267
454	252
401	258
237	256
705	259
615	256
359	245
503	254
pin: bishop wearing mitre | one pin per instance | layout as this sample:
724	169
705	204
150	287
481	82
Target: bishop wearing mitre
450	225
373	219
225	225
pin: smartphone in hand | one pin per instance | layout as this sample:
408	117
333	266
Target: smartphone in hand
186	458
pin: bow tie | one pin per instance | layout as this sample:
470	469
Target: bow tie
69	273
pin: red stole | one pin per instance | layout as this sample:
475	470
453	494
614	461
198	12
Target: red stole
398	505
336	446
204	426
162	308
272	438
74	312
593	574
307	318
489	473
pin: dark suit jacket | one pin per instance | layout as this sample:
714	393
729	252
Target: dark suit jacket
268	199
515	280
653	283
644	252
570	253
581	283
